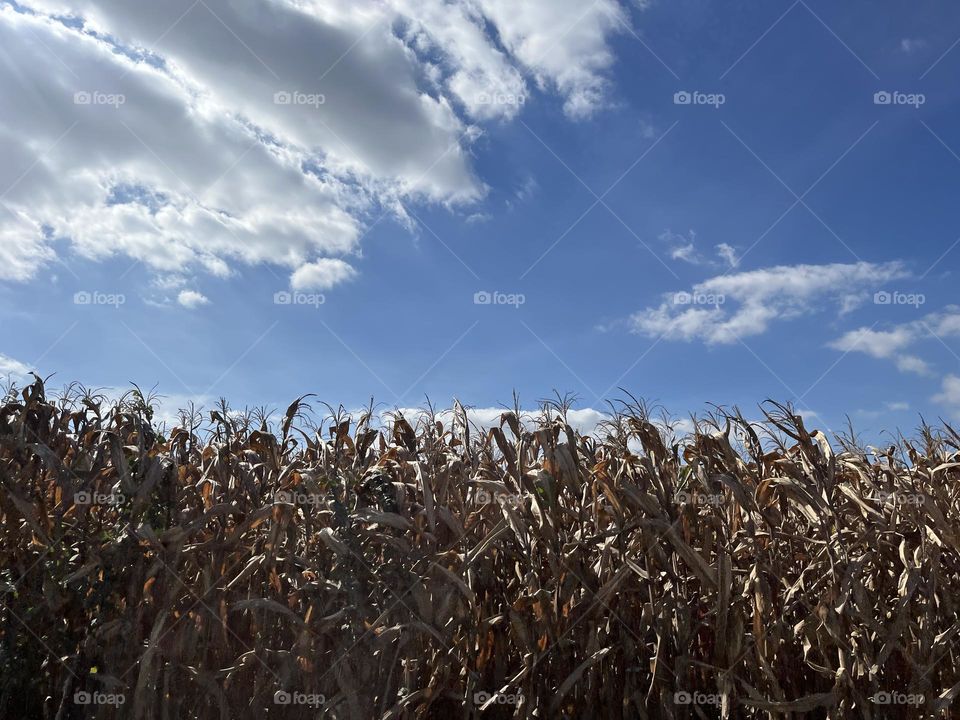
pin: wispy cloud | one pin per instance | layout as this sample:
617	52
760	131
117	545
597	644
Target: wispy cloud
893	342
683	247
912	45
11	369
725	308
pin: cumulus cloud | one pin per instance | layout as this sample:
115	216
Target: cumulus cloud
892	343
725	308
883	344
196	136
563	43
322	274
950	392
124	158
192	299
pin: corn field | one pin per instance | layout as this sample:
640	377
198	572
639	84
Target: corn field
334	565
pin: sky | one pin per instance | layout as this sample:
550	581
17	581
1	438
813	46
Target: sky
697	203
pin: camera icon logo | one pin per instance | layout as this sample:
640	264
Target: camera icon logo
479	698
82	298
682	298
882	97
482	298
882	298
282	298
682	97
682	697
282	98
82	98
285	497
82	498
281	697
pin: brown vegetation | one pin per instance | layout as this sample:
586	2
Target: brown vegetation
405	570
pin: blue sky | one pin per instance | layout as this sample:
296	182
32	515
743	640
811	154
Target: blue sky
543	157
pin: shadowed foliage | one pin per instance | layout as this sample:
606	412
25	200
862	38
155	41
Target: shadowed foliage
421	567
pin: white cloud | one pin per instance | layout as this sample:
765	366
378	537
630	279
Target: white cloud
687	253
321	275
876	343
480	76
944	324
725	308
950	392
911	45
192	299
177	152
563	43
477	218
898	406
648	131
528	188
891	344
169	282
167	177
683	247
912	364
728	254
12	369
585	420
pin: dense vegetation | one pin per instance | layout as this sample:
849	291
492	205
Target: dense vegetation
231	567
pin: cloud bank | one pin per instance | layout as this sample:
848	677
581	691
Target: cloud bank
196	137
